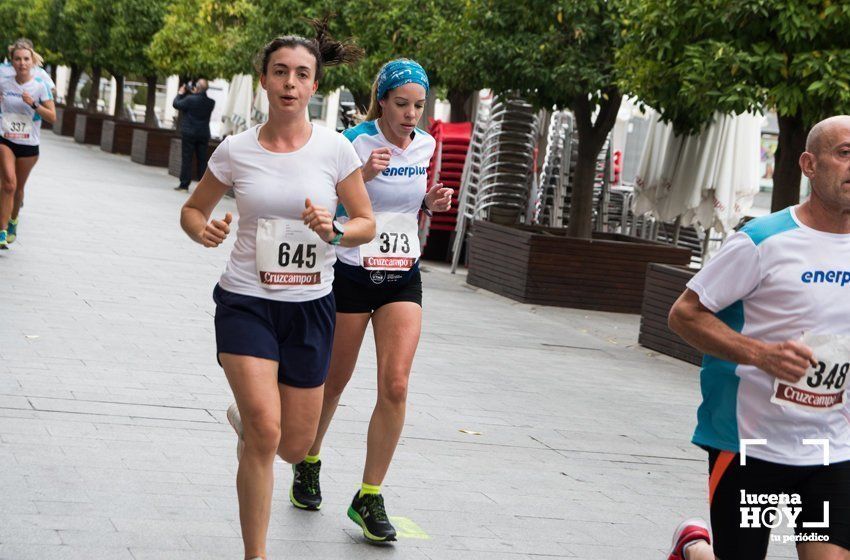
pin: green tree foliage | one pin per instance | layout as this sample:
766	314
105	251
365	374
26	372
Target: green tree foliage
385	31
14	14
135	23
90	21
200	38
690	58
51	29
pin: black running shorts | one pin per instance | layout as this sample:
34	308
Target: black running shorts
356	297
19	150
730	484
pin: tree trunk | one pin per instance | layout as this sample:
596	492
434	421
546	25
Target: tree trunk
94	90
53	73
361	100
119	96
787	174
461	102
150	102
591	138
73	80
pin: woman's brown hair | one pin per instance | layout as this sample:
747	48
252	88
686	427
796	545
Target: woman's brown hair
325	49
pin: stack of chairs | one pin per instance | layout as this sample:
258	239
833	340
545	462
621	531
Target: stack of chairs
446	167
498	175
558	166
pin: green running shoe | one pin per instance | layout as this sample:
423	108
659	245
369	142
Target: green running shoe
369	513
12	231
305	492
4	243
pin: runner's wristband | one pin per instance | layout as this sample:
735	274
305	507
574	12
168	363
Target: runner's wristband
424	208
35	105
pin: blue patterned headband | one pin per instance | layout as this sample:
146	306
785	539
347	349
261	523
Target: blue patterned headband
399	72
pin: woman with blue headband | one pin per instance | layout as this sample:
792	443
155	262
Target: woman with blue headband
380	281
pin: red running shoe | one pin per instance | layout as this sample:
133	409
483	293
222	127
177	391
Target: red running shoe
688	531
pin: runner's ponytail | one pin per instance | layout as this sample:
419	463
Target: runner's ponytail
334	52
325	49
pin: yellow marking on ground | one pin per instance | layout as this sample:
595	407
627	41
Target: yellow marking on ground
406	529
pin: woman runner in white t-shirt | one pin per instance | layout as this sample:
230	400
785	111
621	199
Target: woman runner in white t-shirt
274	306
26	101
380	282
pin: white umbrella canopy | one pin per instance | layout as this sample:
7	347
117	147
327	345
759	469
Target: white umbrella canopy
260	112
654	178
708	179
238	106
735	179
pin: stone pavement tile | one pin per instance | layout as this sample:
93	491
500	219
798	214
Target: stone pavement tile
225	546
548	530
364	551
529	545
123	539
23	532
16	551
453	554
17	505
637	550
171	528
10	401
154	553
96	508
57	522
21	425
441	524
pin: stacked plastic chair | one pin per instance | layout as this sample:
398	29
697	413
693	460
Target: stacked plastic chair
507	164
557	170
447	168
499	168
557	178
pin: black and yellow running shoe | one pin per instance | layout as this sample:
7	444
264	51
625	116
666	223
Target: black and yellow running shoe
306	492
368	512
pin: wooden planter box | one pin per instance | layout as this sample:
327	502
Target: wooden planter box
151	146
116	137
89	126
175	156
543	266
66	121
664	285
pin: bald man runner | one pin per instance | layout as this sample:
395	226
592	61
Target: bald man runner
771	312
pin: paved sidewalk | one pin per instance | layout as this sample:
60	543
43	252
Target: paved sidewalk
532	432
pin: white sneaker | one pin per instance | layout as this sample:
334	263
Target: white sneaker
236	421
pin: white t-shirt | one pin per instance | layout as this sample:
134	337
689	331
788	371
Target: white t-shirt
773	281
271	185
20	123
401	187
8	71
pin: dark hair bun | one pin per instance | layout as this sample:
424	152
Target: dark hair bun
334	52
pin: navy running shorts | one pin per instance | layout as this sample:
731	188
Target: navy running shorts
730	484
297	335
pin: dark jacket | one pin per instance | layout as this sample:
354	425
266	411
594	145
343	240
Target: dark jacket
196	109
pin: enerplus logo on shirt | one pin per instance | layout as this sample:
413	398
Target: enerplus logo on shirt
841	277
408	171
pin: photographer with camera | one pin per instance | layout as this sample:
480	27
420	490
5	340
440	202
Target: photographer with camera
195	108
